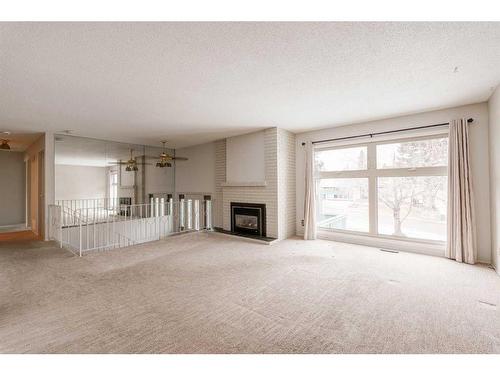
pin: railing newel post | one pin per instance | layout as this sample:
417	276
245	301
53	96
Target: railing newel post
61	226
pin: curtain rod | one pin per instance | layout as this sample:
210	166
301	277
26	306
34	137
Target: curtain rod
381	133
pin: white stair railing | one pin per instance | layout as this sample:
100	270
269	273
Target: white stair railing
93	227
100	207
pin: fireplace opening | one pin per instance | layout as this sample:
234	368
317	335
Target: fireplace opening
246	221
248	218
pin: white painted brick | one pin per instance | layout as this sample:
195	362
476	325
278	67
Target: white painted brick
279	193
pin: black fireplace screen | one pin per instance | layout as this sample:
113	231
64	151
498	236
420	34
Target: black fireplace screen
248	218
246	221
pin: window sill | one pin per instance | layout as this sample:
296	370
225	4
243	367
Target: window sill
434	248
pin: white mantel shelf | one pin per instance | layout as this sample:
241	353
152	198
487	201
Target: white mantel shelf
243	184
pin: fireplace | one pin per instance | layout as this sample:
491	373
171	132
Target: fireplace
248	218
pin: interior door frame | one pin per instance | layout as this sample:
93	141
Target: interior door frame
41	194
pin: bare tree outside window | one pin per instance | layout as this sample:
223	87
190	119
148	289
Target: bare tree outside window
410	178
402	195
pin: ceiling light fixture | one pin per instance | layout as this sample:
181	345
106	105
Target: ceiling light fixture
164	159
131	165
5	145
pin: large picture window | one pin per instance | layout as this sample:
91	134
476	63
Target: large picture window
344	204
344	159
113	189
388	188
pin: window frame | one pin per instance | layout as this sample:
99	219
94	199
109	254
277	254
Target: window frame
372	173
353	145
112	201
347	230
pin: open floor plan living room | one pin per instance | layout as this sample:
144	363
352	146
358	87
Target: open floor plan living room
250	187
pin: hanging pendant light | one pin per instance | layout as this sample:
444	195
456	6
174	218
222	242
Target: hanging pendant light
5	145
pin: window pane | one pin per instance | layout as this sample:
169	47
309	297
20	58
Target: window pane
413	207
342	159
343	204
423	153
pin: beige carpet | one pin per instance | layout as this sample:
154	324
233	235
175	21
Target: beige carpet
209	293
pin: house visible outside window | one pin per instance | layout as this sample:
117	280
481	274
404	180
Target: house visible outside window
113	189
394	188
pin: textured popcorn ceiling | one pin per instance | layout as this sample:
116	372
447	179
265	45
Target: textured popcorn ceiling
196	82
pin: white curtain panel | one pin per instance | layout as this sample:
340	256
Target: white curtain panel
310	196
461	244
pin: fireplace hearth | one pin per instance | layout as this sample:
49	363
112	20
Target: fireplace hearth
248	219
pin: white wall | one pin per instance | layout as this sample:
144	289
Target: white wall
286	184
220	178
479	156
80	182
197	174
245	158
12	188
257	194
494	121
158	180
